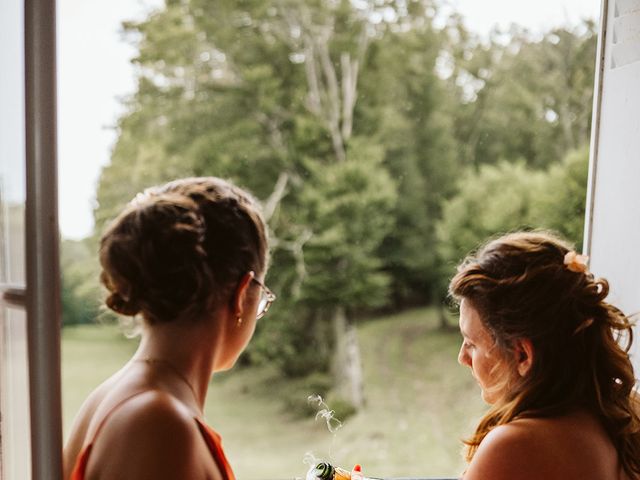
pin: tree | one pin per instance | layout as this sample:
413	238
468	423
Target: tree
414	124
496	199
560	204
522	96
352	121
349	205
267	94
491	200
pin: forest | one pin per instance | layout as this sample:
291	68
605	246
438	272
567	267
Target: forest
384	139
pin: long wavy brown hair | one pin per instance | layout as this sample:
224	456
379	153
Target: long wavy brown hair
522	289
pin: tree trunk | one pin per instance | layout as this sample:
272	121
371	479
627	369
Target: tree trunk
347	366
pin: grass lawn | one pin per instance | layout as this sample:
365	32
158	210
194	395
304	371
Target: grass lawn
420	403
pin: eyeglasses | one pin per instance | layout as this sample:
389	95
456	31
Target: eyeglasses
267	297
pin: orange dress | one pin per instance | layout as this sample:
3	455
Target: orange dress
210	436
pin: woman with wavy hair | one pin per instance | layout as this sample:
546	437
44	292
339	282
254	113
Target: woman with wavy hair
544	347
189	258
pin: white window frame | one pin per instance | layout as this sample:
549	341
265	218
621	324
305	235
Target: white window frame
40	297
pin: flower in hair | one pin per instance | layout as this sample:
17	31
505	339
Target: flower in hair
576	262
140	198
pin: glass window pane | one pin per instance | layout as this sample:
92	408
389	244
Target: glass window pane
12	139
16	459
15	462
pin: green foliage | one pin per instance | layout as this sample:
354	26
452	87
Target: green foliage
415	126
525	97
498	199
80	290
367	217
295	340
560	204
348	205
490	200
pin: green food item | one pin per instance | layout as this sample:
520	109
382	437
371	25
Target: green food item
324	471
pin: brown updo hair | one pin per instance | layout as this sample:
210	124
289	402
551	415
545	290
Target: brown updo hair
522	289
178	249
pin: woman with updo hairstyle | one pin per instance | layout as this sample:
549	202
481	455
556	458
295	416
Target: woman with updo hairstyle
550	356
189	259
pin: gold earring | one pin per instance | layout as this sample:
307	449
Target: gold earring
239	321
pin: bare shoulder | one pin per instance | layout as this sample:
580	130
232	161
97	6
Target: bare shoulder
505	453
81	423
152	435
568	447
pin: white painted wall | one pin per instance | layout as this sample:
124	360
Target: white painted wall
612	231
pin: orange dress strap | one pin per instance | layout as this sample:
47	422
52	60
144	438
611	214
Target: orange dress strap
81	463
214	442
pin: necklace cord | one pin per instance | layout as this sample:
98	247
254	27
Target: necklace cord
173	369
